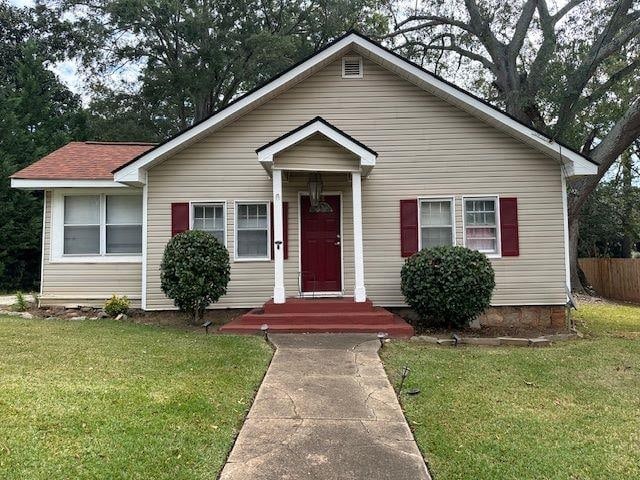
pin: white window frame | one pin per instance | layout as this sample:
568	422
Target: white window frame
236	203
56	252
496	198
205	203
452	201
352	57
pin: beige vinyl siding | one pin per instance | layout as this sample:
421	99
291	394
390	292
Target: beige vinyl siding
317	153
87	284
426	147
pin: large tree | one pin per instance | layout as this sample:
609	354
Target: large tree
37	115
572	72
195	56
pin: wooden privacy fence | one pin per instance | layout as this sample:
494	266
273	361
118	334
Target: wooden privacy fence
617	278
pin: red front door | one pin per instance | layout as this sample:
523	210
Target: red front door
320	247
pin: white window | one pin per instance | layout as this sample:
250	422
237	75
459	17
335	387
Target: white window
96	226
481	224
123	224
436	222
252	231
209	217
82	225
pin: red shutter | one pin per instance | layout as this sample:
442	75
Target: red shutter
408	227
285	229
179	218
509	227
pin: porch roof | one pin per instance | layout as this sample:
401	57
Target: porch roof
317	125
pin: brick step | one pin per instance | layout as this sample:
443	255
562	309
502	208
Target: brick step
375	317
318	305
395	329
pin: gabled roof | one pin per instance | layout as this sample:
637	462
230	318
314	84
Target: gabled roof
83	161
576	163
317	125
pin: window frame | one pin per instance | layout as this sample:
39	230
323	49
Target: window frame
205	203
237	203
440	198
57	224
496	199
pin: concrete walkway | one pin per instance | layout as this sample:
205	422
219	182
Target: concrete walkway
325	410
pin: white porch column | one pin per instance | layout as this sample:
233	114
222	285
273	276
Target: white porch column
359	294
277	245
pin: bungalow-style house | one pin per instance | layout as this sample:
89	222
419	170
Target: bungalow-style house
320	183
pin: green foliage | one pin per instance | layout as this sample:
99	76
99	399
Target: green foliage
21	304
194	271
216	50
117	305
37	115
448	285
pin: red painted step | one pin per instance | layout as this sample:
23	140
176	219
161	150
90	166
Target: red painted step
320	315
318	305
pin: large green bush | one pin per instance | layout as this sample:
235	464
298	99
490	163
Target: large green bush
194	271
447	285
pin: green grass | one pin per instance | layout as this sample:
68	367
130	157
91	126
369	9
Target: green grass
102	399
570	411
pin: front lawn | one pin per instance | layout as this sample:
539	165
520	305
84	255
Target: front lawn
570	411
102	399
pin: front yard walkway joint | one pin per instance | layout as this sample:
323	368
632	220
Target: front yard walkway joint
325	410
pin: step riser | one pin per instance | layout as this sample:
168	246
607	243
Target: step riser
296	319
318	306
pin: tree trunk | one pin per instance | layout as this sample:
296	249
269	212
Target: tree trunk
576	273
627	205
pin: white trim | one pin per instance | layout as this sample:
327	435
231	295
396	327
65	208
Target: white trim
367	159
328	294
56	237
43	184
352	57
279	294
145	216
44	227
235	231
359	292
565	228
323	295
498	252
206	202
578	164
441	198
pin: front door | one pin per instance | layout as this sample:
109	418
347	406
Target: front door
321	260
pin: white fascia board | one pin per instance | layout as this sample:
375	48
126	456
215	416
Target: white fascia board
29	184
457	97
146	161
318	127
481	109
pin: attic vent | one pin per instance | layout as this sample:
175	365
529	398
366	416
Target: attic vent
351	67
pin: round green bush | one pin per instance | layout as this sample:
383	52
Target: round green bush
447	285
194	271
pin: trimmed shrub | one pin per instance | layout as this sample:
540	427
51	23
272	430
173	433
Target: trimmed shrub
195	271
448	285
116	305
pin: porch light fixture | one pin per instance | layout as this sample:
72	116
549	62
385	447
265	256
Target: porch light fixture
264	328
381	337
315	186
206	326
